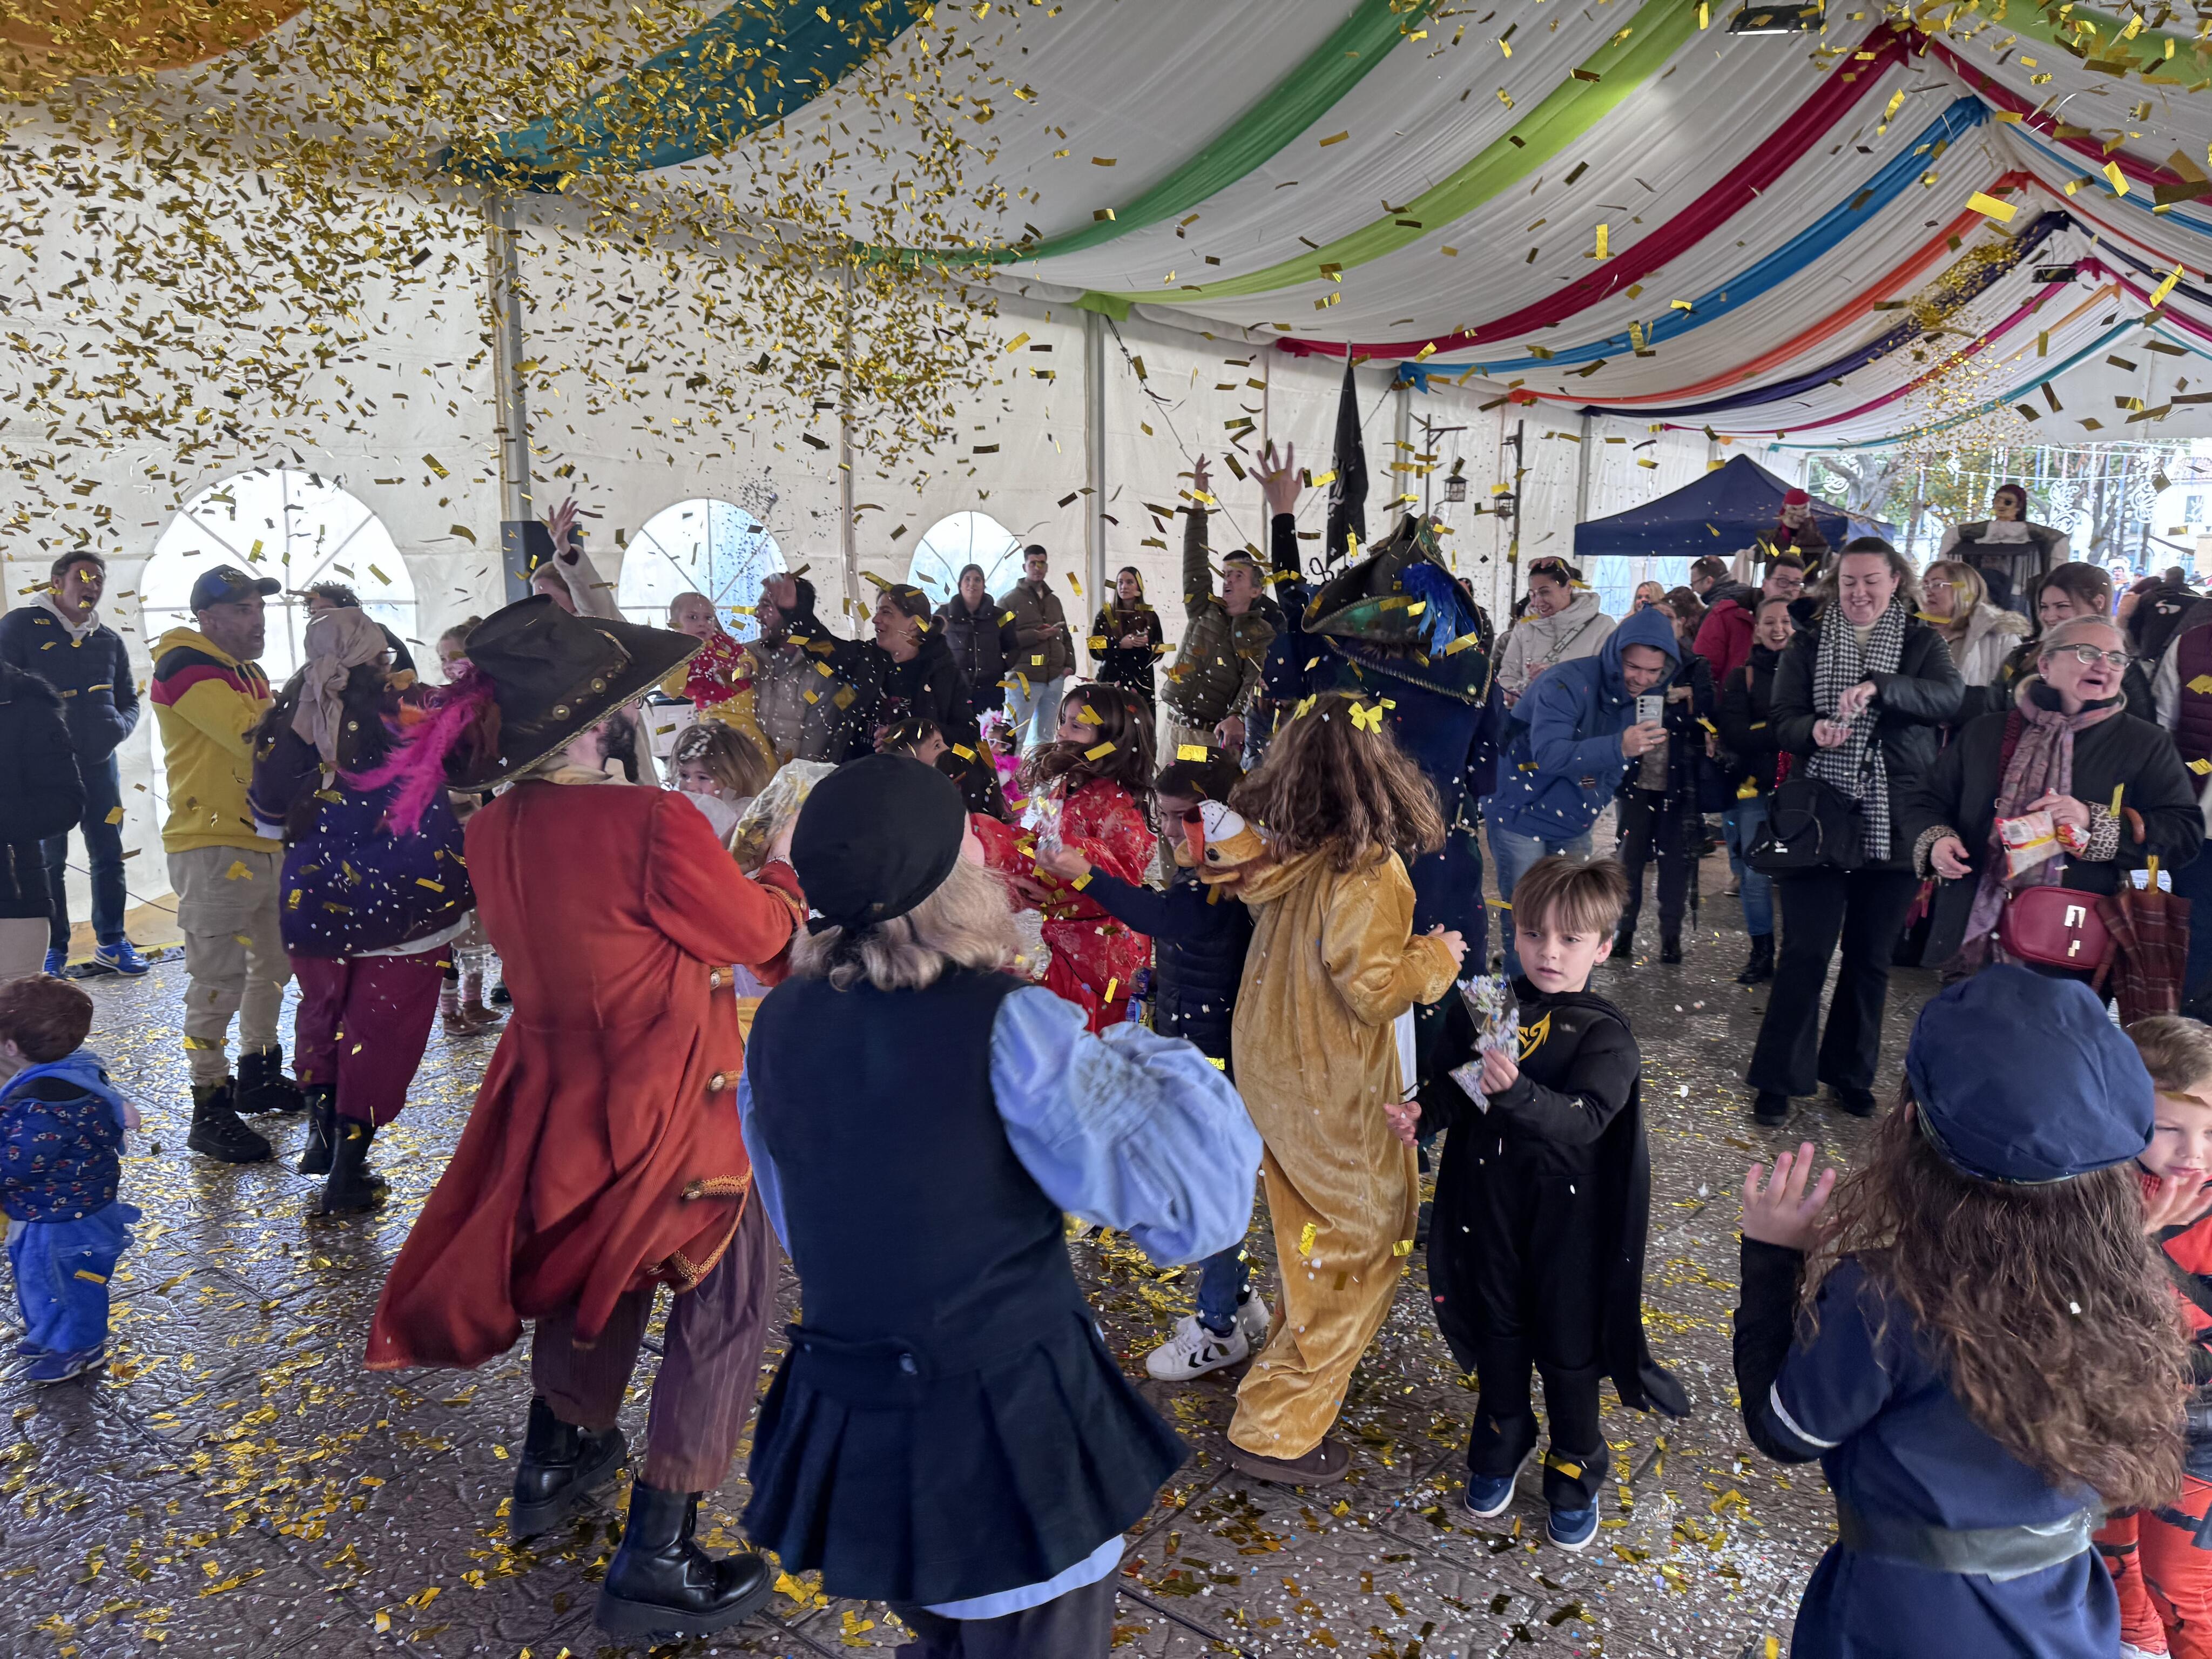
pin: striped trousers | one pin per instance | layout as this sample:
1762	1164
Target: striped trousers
709	1368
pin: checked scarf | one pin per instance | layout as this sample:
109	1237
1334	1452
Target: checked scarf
1856	766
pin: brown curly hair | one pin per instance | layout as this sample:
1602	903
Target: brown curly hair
2045	1306
1124	721
1328	784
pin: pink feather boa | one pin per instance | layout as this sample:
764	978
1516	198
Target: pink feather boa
459	716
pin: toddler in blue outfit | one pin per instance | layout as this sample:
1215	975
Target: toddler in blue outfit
62	1125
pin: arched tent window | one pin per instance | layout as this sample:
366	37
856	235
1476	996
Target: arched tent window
704	546
300	527
951	544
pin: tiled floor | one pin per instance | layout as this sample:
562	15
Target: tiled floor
237	1484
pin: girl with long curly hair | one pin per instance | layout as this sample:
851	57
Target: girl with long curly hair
1974	1339
1333	966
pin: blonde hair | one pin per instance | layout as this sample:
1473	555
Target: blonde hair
965	923
2177	1052
1969	592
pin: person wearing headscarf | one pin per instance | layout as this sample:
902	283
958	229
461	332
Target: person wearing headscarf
367	910
948	1432
601	1159
1798	532
2010	552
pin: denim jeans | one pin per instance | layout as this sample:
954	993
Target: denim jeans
103	846
1224	1279
1741	824
1514	853
1037	709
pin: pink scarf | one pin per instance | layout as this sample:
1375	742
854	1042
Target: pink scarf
2042	763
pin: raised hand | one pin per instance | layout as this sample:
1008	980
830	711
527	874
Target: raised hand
1200	485
1781	1212
560	524
1279	482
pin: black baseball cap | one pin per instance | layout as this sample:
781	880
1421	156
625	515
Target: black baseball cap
227	585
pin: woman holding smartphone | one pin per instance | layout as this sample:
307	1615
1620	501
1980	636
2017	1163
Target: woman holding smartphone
1657	801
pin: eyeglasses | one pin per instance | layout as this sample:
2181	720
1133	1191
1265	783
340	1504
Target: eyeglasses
2088	656
1937	582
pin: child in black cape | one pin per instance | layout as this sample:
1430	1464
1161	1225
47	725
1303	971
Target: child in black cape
1543	1198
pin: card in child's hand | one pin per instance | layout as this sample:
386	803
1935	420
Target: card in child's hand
1489	1001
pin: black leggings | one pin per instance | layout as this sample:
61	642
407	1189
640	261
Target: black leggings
1576	1461
1661	826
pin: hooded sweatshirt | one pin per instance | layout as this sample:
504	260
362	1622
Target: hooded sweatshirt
206	703
61	1139
1537	642
1563	757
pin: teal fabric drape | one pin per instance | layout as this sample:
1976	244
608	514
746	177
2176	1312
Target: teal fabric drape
752	66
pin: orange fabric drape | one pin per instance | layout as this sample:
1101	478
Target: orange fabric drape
42	42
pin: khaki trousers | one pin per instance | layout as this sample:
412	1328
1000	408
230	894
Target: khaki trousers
228	906
22	946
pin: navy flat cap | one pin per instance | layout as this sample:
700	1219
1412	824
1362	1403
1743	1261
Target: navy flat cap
2022	1078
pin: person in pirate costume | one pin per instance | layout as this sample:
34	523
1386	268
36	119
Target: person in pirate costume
1543	1202
2010	552
602	1157
948	1432
1398	626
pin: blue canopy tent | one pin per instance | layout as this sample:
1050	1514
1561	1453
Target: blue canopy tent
1725	512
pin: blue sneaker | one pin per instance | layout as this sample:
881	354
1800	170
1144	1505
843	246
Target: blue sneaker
56	961
121	957
1489	1496
1572	1529
61	1367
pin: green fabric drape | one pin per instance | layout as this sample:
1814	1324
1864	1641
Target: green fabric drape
1288	108
751	66
1617	69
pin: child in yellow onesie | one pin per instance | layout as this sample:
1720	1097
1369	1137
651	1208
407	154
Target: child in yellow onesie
1333	965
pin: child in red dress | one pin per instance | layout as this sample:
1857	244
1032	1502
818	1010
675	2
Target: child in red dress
1090	790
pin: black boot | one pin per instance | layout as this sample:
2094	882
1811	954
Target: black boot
350	1186
1760	967
1624	950
561	1464
322	1128
1771	1109
216	1132
262	1084
1670	949
661	1580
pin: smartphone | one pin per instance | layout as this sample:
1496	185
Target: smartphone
1651	709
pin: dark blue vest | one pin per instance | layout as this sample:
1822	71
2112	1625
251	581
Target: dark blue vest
948	1423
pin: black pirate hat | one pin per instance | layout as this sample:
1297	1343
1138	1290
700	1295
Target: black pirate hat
555	676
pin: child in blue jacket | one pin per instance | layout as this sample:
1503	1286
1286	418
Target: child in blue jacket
1199	933
61	1141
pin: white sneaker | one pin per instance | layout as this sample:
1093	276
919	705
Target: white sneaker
2129	1652
1252	1319
1193	1350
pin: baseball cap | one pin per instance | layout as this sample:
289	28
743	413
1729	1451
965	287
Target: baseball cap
226	584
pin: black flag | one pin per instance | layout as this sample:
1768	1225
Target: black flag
1348	491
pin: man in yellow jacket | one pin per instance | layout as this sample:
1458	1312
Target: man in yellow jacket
208	696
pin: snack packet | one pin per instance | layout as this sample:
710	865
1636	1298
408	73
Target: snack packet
1489	1001
2027	840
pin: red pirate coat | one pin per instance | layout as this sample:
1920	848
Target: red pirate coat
603	1154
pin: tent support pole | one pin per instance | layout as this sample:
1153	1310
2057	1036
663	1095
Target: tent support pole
1267	437
511	409
849	544
1582	469
1094	455
1402	451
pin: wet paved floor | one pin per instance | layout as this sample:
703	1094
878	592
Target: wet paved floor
237	1486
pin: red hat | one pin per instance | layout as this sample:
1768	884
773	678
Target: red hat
1796	498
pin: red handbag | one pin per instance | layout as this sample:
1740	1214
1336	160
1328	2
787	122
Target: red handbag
2054	928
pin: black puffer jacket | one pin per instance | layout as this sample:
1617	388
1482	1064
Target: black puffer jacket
40	793
99	699
928	686
980	641
2121	753
1910	706
1747	718
1198	952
